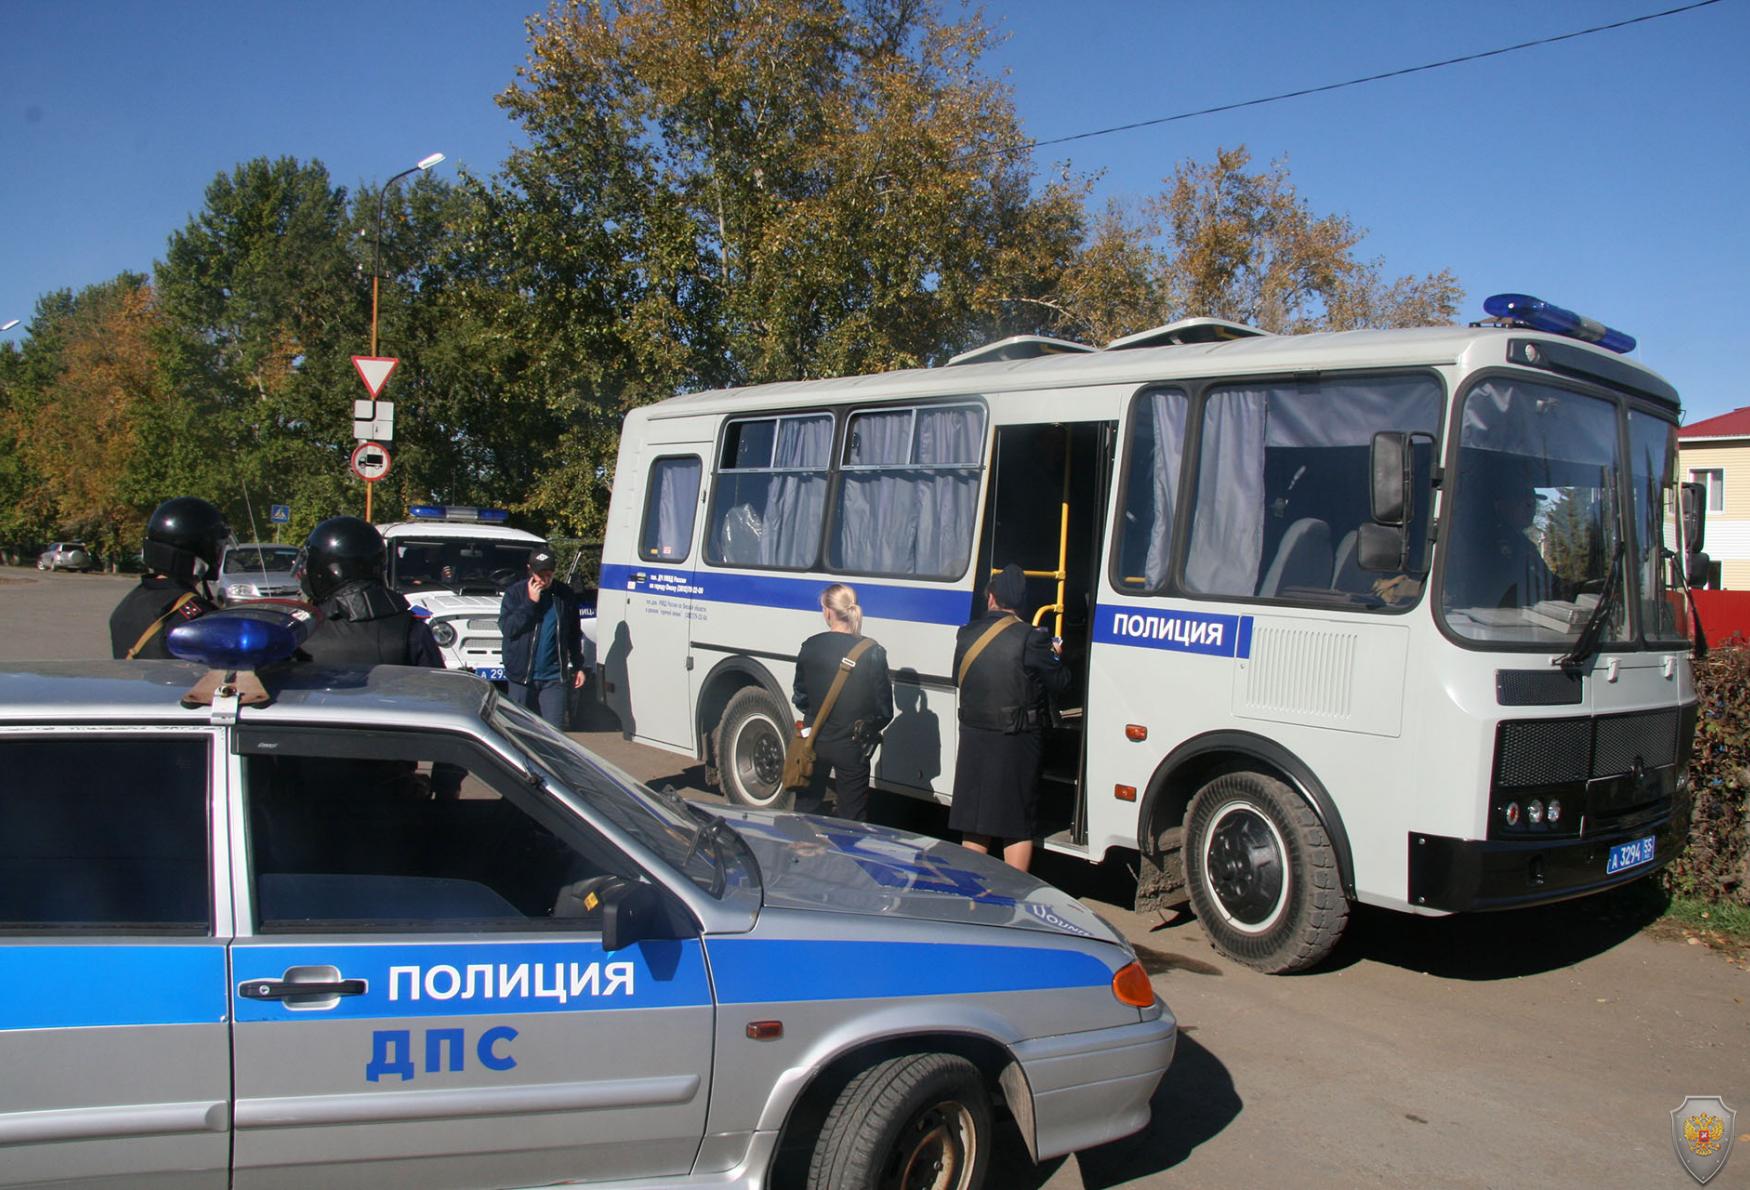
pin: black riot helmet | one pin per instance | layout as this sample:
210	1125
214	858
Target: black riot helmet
339	550
184	538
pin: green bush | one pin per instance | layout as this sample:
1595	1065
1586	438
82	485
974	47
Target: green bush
1716	864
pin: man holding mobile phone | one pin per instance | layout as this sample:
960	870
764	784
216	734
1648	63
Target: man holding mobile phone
543	641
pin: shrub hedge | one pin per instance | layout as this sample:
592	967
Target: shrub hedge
1716	864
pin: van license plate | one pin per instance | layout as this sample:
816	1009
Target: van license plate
495	673
1629	855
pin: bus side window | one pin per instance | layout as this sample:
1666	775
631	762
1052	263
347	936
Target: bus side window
669	506
1153	462
769	495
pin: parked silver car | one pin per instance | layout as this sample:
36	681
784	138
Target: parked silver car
387	929
67	555
257	570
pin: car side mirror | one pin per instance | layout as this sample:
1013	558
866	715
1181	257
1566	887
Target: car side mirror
1694	501
631	912
1392	493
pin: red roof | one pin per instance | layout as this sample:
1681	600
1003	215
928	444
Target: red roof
1735	424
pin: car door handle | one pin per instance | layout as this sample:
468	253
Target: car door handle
285	989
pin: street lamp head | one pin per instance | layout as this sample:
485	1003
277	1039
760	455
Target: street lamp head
8	324
428	162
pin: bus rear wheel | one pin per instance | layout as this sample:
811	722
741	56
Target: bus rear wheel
751	738
1262	874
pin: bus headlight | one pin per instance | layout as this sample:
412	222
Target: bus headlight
444	634
1511	813
1534	812
1554	811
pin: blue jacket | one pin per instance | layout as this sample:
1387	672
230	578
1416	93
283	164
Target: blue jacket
519	622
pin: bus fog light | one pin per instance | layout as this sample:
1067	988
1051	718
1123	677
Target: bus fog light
1511	813
1534	812
1554	811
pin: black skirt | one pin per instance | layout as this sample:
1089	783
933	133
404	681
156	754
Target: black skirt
996	783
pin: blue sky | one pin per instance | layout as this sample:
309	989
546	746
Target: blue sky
1608	173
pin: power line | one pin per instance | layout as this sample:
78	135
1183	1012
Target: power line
1029	146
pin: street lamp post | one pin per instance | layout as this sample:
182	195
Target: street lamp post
424	163
377	244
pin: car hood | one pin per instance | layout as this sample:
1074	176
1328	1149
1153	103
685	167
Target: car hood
269	578
441	602
830	864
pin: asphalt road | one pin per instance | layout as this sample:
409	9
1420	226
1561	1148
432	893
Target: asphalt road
1545	1047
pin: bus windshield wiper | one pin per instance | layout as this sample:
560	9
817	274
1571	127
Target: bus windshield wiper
1586	644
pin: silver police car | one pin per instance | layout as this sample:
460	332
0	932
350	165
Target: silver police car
386	929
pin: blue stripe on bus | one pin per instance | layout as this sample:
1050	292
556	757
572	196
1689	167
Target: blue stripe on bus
80	987
925	605
755	971
1214	634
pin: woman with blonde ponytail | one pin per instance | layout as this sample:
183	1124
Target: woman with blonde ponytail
845	741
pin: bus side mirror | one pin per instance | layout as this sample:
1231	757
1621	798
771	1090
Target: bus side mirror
1382	547
1697	570
1391	478
1694	500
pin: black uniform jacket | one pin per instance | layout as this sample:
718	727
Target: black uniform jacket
144	606
1006	687
365	624
867	696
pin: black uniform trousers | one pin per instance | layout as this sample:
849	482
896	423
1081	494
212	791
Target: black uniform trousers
849	767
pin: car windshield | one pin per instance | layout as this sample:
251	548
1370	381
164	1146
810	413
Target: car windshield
465	565
1535	524
662	822
263	557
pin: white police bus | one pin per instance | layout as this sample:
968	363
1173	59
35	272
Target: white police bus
1376	616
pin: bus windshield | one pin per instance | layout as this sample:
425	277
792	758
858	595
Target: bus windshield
465	565
1535	524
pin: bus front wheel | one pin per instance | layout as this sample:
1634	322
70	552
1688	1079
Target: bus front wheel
1262	874
751	739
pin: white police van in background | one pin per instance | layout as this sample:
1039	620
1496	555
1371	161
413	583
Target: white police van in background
346	928
452	564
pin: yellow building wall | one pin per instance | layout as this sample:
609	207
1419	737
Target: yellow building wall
1728	530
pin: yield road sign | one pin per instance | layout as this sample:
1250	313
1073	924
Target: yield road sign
374	371
370	461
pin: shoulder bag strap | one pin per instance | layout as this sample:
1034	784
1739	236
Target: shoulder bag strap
147	635
838	681
990	634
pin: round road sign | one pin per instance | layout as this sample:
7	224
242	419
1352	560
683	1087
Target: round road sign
370	461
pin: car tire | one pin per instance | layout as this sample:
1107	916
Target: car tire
1262	874
751	738
920	1119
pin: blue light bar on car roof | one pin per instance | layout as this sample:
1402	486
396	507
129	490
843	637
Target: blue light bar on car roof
458	512
247	637
1534	314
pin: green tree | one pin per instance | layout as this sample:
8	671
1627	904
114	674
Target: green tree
717	193
1223	242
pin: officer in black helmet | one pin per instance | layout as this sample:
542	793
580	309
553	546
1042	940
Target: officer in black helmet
364	622
184	538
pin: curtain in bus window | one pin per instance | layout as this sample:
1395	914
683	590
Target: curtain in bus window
795	500
668	518
910	516
1227	537
1167	418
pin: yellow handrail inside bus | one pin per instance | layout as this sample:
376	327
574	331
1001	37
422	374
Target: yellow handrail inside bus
1061	574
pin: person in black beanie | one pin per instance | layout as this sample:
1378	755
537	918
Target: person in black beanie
1004	669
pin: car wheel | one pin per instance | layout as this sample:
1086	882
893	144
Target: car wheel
1262	874
922	1120
751	739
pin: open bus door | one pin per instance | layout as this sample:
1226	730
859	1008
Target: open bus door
1044	512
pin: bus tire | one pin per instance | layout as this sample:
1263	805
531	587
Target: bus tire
915	1120
1262	874
751	738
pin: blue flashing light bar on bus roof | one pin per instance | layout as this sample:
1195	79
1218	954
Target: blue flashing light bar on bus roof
1534	314
458	512
244	637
